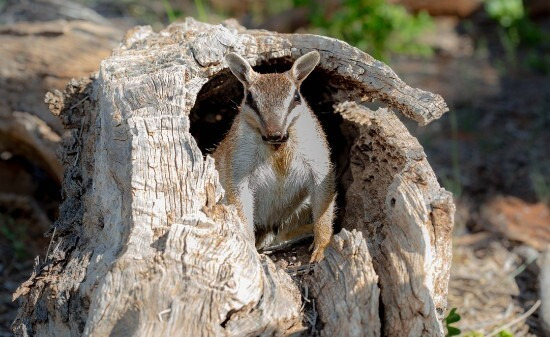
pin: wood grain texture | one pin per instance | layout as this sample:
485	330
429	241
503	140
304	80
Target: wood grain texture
345	287
407	217
544	291
144	247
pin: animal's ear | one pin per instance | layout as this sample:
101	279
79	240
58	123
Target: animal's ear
240	68
304	66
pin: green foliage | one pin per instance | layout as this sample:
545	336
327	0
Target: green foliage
452	318
473	334
540	63
505	333
375	26
541	185
170	13
515	29
13	233
201	10
506	12
453	183
174	14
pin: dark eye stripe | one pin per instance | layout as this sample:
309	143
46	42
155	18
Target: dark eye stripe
252	104
293	104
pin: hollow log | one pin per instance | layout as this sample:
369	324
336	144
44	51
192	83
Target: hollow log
144	246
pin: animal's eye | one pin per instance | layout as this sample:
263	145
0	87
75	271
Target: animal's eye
249	98
297	97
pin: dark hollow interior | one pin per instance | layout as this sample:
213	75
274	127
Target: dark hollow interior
217	105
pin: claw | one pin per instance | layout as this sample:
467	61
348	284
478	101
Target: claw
319	245
317	255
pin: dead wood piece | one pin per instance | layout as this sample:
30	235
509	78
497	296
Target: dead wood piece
47	10
143	245
43	56
518	220
345	287
544	289
28	135
406	216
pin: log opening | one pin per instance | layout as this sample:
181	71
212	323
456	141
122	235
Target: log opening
217	104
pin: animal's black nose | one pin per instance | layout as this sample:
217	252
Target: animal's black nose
276	137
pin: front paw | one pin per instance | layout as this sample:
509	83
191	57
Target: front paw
318	250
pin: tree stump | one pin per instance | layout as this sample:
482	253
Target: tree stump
143	246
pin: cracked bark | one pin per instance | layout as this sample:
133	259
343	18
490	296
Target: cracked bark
143	246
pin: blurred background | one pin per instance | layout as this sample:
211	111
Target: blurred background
489	59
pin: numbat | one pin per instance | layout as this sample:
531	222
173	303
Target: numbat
274	163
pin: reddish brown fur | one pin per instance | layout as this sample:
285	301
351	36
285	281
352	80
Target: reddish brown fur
223	155
281	158
274	88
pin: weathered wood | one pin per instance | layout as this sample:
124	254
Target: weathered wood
144	246
406	216
48	10
345	288
30	136
518	220
544	291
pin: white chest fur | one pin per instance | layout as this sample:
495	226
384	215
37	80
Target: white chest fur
280	199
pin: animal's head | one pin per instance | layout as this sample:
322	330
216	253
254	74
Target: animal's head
272	102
